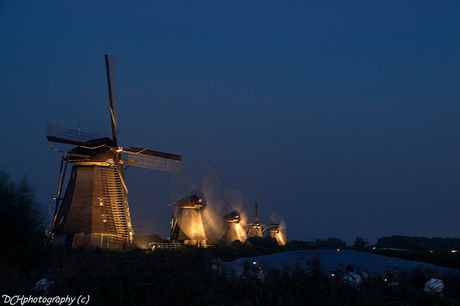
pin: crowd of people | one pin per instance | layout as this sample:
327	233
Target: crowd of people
351	281
433	286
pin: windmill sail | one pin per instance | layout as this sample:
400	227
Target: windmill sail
111	68
153	159
62	134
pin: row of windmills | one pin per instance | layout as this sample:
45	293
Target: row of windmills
192	226
94	211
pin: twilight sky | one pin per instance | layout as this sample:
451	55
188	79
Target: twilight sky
343	117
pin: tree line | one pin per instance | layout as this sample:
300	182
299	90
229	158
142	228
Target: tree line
419	243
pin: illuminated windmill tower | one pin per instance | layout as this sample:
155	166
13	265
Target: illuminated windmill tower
94	210
230	230
187	222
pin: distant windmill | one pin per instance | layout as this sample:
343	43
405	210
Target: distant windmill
94	210
256	228
276	231
230	230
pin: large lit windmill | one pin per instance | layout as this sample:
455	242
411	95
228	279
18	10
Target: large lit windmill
94	210
187	221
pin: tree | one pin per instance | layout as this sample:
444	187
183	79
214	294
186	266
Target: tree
330	243
21	220
359	243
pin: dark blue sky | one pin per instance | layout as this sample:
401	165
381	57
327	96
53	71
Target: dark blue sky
342	117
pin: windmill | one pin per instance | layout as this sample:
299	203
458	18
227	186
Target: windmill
278	232
94	210
256	228
229	231
187	220
235	222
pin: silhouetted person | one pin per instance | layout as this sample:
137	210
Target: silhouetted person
391	281
434	285
351	278
391	284
44	286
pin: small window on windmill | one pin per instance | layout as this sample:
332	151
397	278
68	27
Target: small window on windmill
104	219
101	202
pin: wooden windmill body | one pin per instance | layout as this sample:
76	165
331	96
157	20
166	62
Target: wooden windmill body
94	211
187	223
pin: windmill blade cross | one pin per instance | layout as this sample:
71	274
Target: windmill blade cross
149	159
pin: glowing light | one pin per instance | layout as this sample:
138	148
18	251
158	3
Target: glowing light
338	250
453	251
190	221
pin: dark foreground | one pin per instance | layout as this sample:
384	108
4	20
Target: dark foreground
188	277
